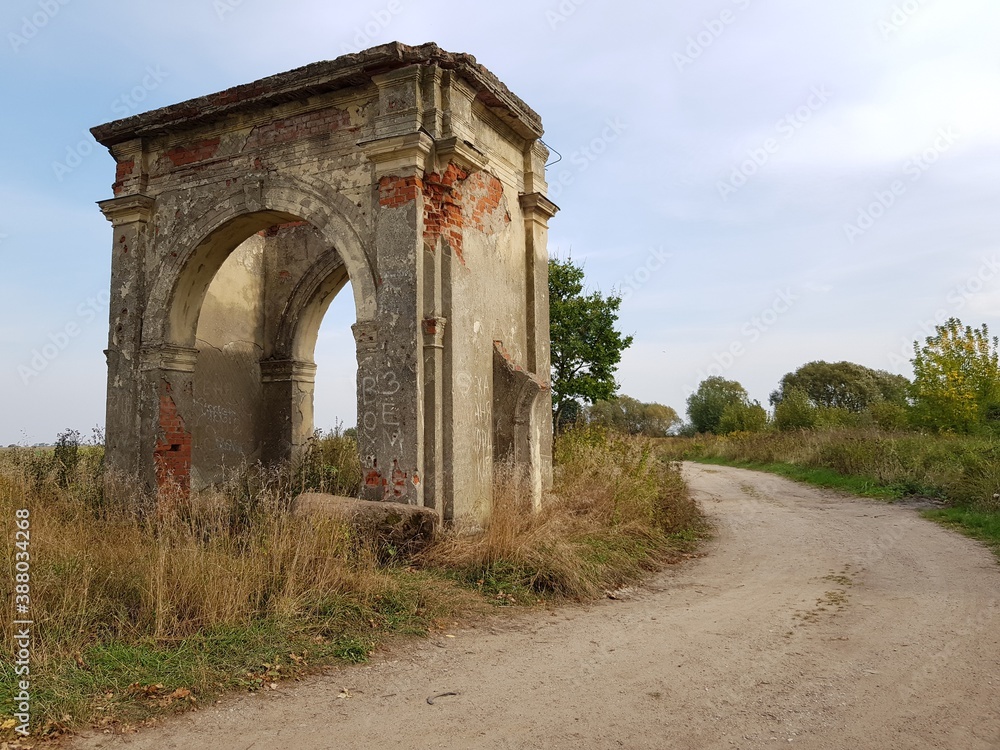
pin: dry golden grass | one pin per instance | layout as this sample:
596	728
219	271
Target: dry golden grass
615	511
197	593
112	571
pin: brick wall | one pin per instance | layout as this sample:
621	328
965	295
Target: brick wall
173	449
448	198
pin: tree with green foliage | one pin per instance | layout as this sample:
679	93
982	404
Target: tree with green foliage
956	383
586	345
632	417
706	405
743	417
843	385
795	411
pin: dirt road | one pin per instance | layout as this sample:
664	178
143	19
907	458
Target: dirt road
815	621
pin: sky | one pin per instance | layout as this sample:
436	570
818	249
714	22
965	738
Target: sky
765	184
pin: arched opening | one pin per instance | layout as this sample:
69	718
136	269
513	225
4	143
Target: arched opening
256	305
336	403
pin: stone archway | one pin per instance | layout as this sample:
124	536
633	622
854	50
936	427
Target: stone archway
413	172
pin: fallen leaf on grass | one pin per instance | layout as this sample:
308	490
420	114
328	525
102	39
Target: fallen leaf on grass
147	691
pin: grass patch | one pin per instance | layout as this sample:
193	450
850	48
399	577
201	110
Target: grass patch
816	476
962	470
148	605
983	526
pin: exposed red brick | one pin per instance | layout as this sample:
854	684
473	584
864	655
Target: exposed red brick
486	193
394	192
173	450
398	481
445	196
306	125
123	170
193	152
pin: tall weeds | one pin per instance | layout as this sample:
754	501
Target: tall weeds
130	595
616	510
121	595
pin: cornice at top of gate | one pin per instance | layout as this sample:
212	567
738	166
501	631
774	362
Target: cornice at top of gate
343	72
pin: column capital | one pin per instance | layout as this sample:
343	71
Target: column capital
537	207
287	370
128	209
402	155
366	336
433	329
169	358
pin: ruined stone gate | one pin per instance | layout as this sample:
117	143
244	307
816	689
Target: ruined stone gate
411	172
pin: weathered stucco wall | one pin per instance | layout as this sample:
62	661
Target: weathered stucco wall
227	383
238	217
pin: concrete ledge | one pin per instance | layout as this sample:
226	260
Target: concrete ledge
406	527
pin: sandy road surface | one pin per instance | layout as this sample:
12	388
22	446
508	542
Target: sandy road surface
815	621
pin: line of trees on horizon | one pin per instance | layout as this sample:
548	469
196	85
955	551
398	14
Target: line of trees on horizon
955	387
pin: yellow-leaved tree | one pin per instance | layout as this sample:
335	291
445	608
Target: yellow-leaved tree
956	378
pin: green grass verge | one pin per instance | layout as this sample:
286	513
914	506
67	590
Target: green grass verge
983	526
819	477
114	683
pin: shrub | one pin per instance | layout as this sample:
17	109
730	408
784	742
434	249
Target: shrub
890	416
743	417
330	463
795	411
